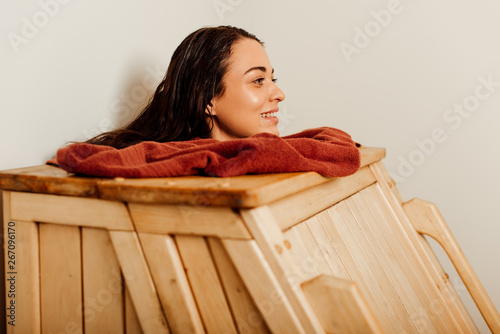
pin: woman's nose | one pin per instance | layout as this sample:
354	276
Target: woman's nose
277	94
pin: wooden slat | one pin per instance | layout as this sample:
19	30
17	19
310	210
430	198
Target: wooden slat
340	306
70	211
307	258
246	315
139	282
181	219
205	284
370	289
433	284
313	230
276	249
22	275
372	262
381	234
102	284
171	282
60	279
295	208
433	308
132	325
49	180
427	219
263	286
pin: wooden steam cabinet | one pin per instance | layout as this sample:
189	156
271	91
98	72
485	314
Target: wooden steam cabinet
280	253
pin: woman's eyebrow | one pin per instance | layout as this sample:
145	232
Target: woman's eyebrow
257	68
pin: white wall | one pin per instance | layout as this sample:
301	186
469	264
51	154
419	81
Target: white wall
89	65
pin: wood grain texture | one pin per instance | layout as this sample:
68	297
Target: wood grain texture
427	219
102	284
246	315
182	219
276	249
206	285
340	306
60	279
68	210
295	208
132	324
443	309
263	286
139	282
23	269
171	282
240	191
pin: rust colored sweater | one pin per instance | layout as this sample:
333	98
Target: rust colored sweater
328	151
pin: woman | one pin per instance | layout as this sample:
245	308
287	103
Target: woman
219	85
213	114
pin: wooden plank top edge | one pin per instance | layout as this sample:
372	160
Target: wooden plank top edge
238	191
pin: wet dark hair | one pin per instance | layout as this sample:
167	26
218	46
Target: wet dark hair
194	76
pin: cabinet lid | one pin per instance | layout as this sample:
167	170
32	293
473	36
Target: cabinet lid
237	191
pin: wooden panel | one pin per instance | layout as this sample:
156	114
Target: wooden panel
246	315
102	284
370	289
22	276
276	249
263	286
443	309
380	234
70	211
205	284
181	219
171	282
375	259
340	306
312	228
139	282
295	208
307	265
60	278
241	191
132	325
49	180
429	308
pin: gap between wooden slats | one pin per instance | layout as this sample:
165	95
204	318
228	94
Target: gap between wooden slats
399	241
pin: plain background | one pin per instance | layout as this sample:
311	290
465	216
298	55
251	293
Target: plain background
71	69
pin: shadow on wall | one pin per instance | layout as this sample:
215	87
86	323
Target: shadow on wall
139	89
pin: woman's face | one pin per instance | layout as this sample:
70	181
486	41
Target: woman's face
250	100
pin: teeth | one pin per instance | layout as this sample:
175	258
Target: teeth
271	114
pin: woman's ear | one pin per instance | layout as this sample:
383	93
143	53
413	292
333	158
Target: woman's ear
210	109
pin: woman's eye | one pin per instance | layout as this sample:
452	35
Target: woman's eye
275	80
259	81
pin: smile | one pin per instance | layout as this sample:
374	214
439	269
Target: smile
269	114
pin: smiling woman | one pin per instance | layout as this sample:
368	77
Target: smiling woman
219	84
250	101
